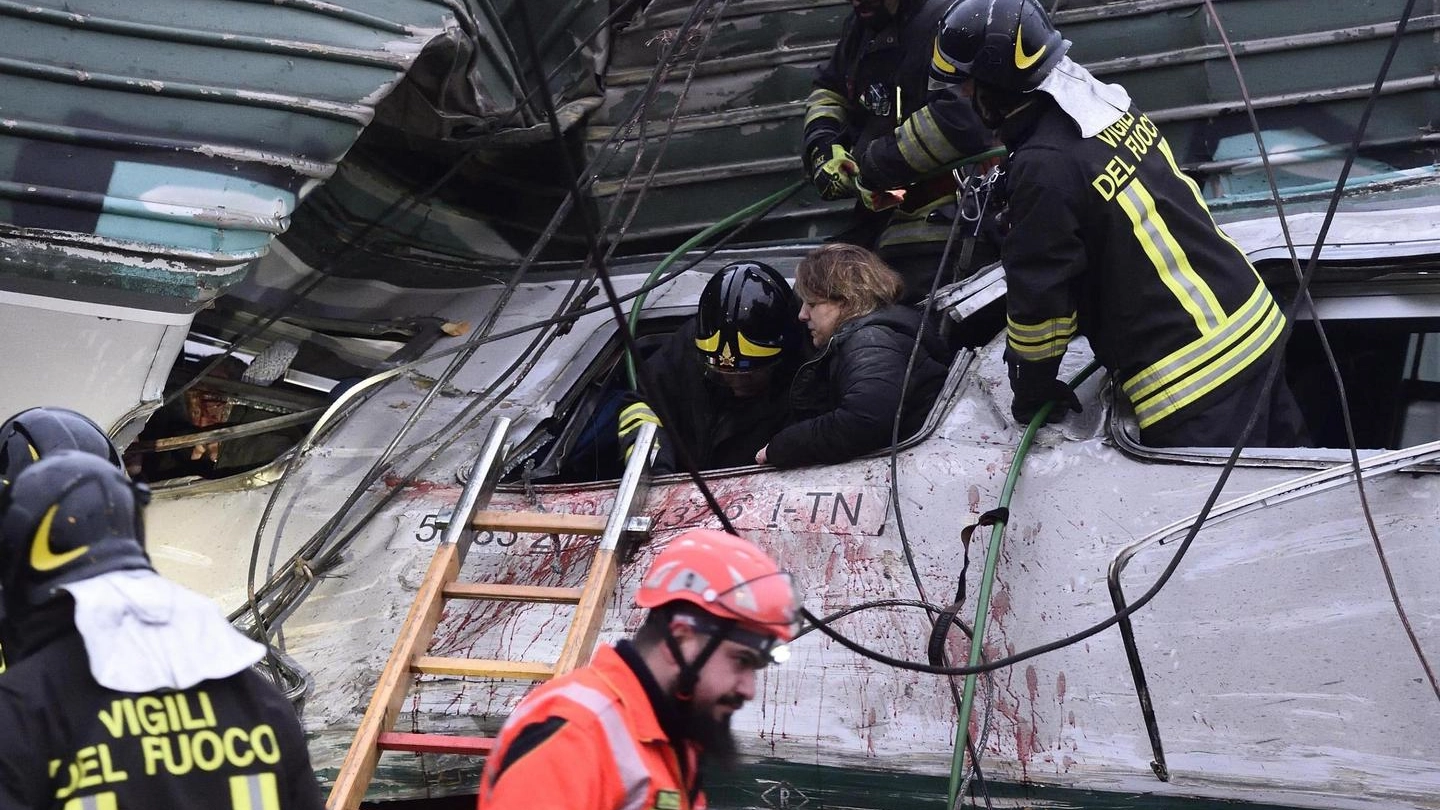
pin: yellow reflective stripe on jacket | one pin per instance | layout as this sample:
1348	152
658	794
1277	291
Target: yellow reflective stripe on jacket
1040	341
636	415
923	146
1169	258
1207	363
824	103
1199	198
914	227
256	791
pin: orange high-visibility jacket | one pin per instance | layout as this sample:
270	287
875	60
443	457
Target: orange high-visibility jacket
589	740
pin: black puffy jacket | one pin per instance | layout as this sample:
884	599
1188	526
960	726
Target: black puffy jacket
845	399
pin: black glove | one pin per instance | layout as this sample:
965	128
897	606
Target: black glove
632	417
1034	384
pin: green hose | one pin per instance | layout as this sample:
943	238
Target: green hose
982	598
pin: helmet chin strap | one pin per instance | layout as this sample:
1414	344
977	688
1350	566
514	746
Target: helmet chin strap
993	106
689	675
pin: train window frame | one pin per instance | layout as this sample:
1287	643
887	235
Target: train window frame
1401	310
571	389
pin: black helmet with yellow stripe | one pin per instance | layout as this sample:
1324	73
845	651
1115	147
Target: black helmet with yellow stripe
33	434
69	516
747	313
1006	45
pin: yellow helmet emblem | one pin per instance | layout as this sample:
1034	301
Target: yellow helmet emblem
939	62
44	558
748	349
726	359
1022	59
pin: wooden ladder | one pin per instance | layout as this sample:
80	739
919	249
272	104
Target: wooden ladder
618	532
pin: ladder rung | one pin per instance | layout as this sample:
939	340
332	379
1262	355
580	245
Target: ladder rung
539	522
483	668
505	592
434	743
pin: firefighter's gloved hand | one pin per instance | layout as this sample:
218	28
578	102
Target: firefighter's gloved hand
879	200
1032	390
833	172
631	418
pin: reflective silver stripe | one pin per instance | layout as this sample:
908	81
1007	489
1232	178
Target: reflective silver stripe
1202	350
1199	198
98	801
633	773
1043	340
922	144
1188	382
908	229
1169	258
254	792
824	104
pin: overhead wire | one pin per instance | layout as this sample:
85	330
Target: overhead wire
823	624
682	452
303	286
1308	275
317	540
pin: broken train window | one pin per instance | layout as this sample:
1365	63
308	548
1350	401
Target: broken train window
261	401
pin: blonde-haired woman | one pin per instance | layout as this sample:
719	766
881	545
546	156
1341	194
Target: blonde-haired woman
845	401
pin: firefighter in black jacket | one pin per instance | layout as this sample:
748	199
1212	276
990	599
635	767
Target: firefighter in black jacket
724	376
1110	240
872	126
125	690
35	433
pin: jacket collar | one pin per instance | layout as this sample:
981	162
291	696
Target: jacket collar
625	670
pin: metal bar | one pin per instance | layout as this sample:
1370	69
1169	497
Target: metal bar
634	485
1216	51
356	114
614	546
226	433
225	40
1313	484
1356	91
479	486
1142	688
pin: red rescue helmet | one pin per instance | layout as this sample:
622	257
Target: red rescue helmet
728	578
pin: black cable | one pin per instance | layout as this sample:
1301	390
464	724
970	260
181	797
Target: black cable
1303	294
622	325
1173	565
293	295
317	541
895	454
309	550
